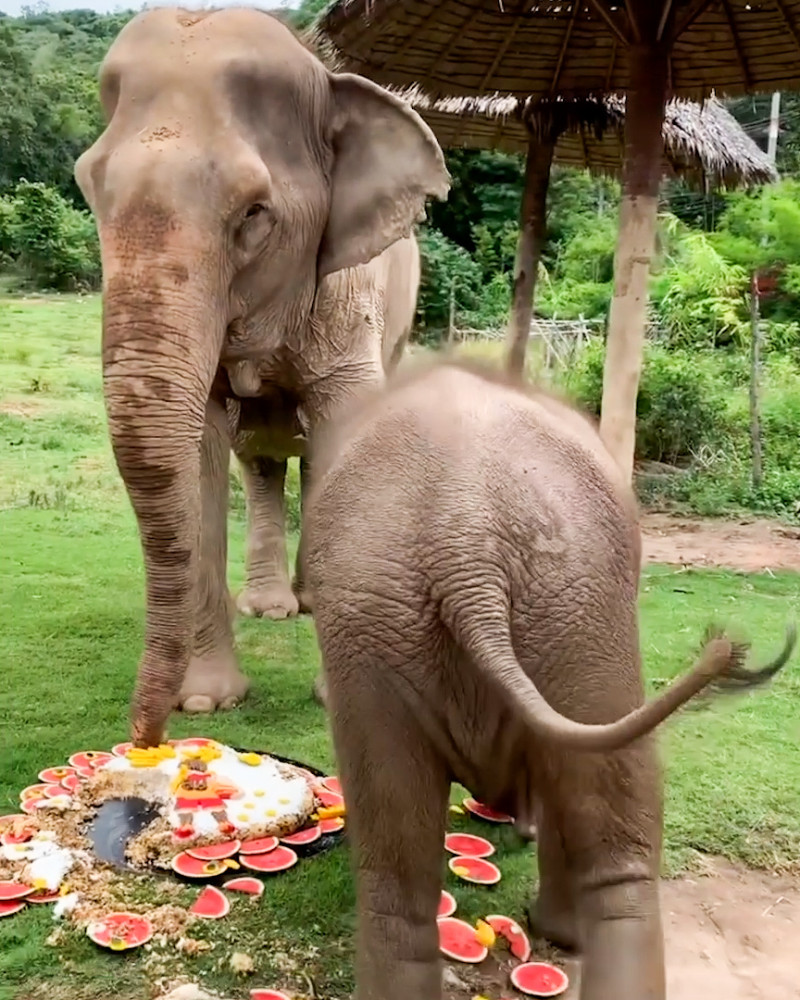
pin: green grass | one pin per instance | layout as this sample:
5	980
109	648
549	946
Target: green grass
71	591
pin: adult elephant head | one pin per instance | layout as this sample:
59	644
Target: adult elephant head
234	173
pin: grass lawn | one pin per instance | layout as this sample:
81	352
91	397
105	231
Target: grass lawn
71	590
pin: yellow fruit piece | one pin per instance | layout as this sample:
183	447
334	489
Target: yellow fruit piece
457	810
230	863
485	934
459	870
253	759
331	812
39	883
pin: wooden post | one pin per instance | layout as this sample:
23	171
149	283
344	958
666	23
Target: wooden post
532	232
451	318
644	150
755	378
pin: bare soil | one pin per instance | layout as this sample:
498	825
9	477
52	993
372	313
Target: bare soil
748	544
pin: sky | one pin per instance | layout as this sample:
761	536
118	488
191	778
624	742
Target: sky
14	7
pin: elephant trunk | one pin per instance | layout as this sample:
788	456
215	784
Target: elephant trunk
160	354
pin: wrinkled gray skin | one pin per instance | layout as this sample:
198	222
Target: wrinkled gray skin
235	175
473	560
267	429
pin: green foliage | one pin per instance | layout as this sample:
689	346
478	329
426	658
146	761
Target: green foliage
447	269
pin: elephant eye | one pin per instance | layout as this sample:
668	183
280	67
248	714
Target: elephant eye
254	210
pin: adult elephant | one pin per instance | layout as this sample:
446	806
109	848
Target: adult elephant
264	437
235	177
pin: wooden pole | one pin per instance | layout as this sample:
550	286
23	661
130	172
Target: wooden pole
532	232
644	151
755	372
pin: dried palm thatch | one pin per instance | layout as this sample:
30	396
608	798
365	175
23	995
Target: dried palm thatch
540	48
704	144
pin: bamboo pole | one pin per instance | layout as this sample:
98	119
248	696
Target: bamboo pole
532	233
644	150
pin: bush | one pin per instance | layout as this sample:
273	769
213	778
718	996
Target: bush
445	266
54	243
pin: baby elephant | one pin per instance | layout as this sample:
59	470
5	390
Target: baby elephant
473	557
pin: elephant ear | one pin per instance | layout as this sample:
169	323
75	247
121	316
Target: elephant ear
387	162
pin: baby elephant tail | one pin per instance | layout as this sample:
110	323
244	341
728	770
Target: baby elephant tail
720	667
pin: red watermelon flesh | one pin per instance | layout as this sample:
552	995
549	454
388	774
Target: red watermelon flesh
32	792
477	870
55	775
43	896
29	806
120	931
329	799
211	904
333	825
262	845
275	861
333	785
447	905
11	839
90	759
518	943
71	782
259	994
457	940
121	749
10	908
13	890
54	791
185	864
245	883
215	852
486	812
303	837
468	845
539	979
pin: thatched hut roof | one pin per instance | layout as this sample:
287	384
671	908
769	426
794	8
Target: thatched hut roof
703	143
577	48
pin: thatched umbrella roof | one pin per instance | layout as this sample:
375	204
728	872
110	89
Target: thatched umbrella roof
569	47
703	143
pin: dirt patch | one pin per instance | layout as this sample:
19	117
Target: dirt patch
751	545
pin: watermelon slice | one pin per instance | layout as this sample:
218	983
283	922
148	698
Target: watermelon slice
303	837
85	772
184	864
6	822
262	845
245	883
518	943
333	785
43	896
211	904
11	839
457	940
477	870
11	891
10	908
54	791
120	931
468	845
259	994
30	806
215	852
331	825
71	782
329	799
32	792
447	905
539	979
275	861
192	741
121	749
90	759
54	775
486	812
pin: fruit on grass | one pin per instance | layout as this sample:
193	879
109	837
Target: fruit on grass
30	806
71	782
468	845
90	759
54	775
477	870
211	904
184	864
458	941
329	799
120	931
53	791
486	812
11	907
11	819
303	837
333	785
259	994
245	883
10	891
485	934
215	852
539	979
11	839
121	749
518	943
32	792
275	861
333	825
447	905
262	845
43	896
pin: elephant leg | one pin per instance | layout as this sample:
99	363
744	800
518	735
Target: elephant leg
388	770
552	914
611	830
298	584
213	679
267	593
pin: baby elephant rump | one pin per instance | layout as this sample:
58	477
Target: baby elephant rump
473	557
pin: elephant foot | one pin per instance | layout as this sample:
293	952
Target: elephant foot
320	691
273	600
303	597
554	924
212	682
